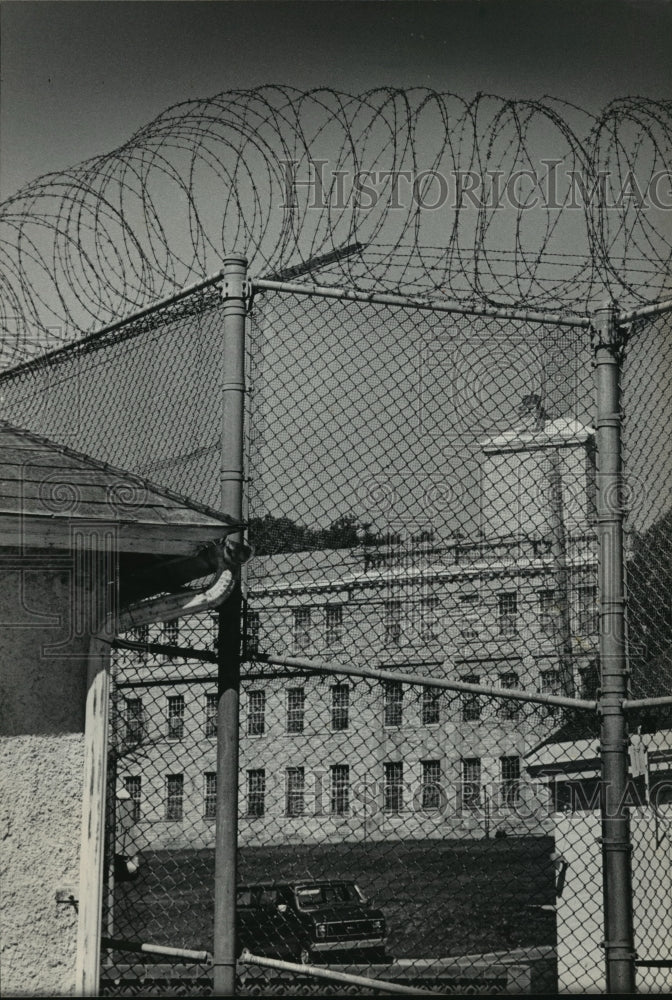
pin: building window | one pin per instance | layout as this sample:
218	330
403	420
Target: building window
508	613
174	796
334	636
507	708
171	633
340	707
393	700
428	619
431	784
211	715
424	536
210	795
471	703
135	722
256	713
295	791
133	786
471	782
431	705
547	612
295	709
256	792
510	780
587	617
550	683
590	680
340	789
392	622
175	717
142	636
252	629
469	616
394	787
301	629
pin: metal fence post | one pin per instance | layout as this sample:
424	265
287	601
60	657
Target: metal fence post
229	638
616	848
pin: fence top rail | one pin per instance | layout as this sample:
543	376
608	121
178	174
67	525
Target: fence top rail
430	305
644	312
91	340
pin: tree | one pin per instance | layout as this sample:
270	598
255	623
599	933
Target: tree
273	535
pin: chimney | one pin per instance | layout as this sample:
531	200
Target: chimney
531	414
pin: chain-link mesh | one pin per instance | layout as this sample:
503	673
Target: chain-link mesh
422	496
647	458
161	803
422	501
143	397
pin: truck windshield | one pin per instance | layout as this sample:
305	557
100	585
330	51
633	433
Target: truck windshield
310	896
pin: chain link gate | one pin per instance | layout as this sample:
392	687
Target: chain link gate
422	504
419	786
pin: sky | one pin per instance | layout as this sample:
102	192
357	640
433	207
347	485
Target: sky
78	78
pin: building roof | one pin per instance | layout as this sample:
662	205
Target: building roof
48	490
331	570
581	756
555	433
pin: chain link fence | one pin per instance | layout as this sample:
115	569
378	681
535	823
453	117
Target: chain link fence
160	830
647	456
141	395
419	786
422	503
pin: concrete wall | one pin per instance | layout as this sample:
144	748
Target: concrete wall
42	696
580	923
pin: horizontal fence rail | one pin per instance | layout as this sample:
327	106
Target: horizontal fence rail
415	302
332	667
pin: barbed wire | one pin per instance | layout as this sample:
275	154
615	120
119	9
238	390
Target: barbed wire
532	202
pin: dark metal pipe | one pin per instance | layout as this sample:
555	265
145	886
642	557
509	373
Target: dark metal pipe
171	574
616	846
234	291
161	649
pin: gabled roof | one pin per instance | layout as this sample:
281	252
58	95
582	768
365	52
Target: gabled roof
47	490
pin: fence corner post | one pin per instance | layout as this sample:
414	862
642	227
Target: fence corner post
608	344
232	387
